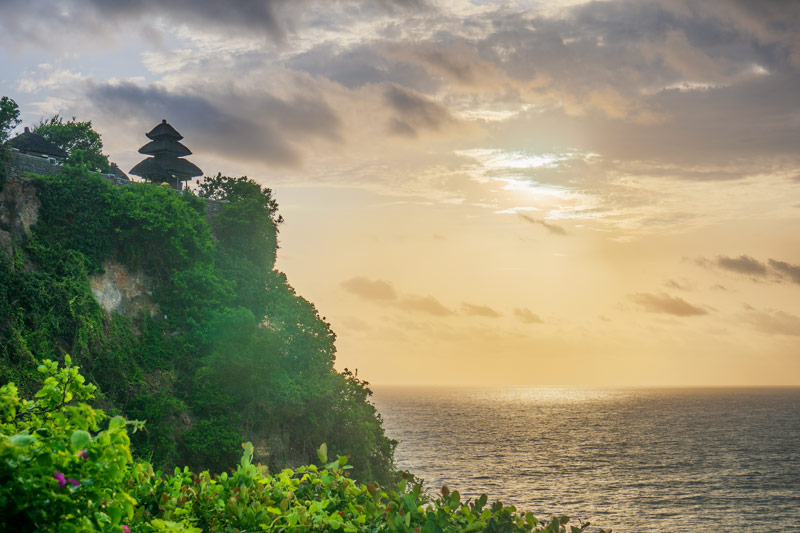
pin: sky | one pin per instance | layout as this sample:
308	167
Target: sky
479	192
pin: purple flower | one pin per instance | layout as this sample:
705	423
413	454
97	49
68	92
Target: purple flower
62	481
74	482
126	529
81	454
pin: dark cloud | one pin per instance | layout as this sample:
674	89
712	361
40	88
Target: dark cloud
552	228
369	289
424	304
666	304
415	112
788	270
225	125
361	65
744	264
527	316
773	270
31	21
479	310
774	322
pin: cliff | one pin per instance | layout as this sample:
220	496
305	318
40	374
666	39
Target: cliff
171	305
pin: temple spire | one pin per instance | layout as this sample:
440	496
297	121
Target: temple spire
166	165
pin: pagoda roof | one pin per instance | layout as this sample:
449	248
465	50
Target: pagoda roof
34	143
164	167
164	131
165	147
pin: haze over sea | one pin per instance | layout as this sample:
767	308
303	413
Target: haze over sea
627	459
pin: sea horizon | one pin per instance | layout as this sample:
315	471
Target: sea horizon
631	459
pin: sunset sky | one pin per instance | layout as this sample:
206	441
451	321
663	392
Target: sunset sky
475	191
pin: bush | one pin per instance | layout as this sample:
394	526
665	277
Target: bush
65	466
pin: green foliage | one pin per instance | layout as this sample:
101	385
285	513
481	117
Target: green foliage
78	139
9	119
228	339
63	465
159	230
63	468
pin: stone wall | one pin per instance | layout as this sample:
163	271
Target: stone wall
25	163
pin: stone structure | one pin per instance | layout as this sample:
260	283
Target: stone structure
32	164
166	164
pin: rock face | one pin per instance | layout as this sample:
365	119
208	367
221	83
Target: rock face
120	291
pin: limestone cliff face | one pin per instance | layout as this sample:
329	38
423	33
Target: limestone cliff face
118	290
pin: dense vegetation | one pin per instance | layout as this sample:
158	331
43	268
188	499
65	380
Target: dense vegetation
226	353
65	466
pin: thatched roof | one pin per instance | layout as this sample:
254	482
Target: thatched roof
165	147
164	131
116	171
33	143
162	168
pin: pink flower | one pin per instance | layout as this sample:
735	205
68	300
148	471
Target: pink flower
62	481
126	529
81	454
74	482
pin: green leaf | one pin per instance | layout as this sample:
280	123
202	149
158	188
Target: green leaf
322	453
335	521
79	440
116	423
22	440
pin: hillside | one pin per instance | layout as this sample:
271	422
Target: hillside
176	313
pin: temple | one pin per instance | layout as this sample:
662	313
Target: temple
166	165
30	143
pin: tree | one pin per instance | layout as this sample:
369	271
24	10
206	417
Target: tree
78	139
9	117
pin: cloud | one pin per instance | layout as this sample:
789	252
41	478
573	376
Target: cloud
369	289
666	304
678	285
414	113
774	322
552	228
788	270
772	270
744	264
479	310
424	304
273	19
527	316
224	125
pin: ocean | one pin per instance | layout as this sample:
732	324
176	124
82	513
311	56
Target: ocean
628	459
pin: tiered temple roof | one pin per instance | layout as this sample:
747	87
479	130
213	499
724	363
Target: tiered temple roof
34	144
166	165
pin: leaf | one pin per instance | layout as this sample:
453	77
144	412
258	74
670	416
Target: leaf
335	521
322	453
80	439
116	423
22	440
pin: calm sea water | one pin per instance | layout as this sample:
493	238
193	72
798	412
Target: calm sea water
632	460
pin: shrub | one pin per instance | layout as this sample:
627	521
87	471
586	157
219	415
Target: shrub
65	466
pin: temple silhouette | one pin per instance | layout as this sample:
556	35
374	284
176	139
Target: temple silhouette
166	164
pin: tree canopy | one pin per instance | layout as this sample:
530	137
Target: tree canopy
9	117
83	144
